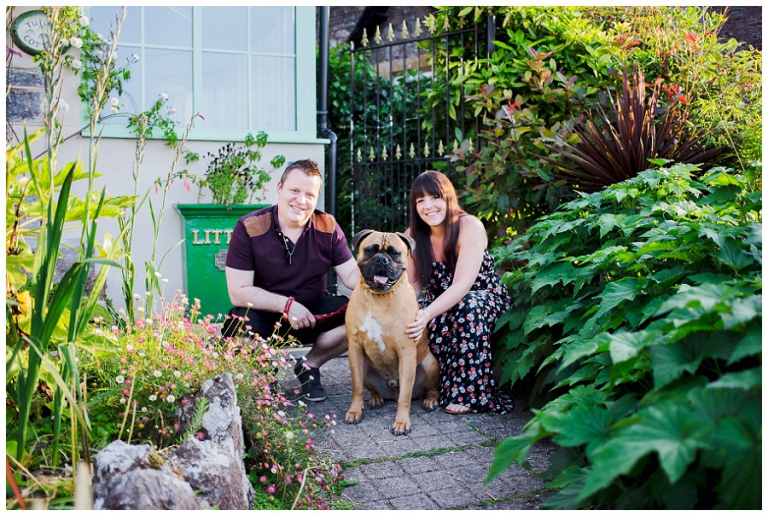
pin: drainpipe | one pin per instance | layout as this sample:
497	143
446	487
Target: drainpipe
322	113
324	131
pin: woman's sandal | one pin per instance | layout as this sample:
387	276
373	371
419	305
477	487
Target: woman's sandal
455	408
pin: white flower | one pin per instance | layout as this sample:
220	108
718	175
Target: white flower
158	274
250	305
171	398
143	409
281	413
122	400
84	21
164	96
98	53
173	110
177	374
114	110
289	435
120	379
113	56
135	57
149	321
152	397
77	64
76	42
239	376
100	36
64	106
157	373
113	101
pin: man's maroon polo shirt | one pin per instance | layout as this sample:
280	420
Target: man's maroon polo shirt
257	244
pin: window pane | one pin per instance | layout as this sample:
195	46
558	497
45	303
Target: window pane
273	30
168	26
104	22
273	92
169	71
225	28
225	90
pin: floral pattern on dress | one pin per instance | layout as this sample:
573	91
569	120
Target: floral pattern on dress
461	340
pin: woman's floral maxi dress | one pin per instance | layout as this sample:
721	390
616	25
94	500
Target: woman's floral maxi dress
460	339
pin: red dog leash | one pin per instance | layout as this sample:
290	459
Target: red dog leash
318	317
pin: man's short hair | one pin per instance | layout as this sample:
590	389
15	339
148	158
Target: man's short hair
308	166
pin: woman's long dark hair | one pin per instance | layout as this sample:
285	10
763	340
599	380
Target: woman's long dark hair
432	182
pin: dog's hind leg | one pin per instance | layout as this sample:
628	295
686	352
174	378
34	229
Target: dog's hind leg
430	370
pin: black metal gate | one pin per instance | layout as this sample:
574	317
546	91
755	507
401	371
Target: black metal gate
406	117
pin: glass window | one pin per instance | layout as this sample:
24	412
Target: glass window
237	66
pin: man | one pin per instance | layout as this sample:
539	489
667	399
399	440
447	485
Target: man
276	268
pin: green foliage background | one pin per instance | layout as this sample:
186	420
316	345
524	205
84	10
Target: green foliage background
636	327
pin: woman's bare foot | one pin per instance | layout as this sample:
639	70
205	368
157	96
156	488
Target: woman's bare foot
455	408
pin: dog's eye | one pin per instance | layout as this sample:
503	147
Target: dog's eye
371	250
393	251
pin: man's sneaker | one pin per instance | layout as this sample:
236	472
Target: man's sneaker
309	377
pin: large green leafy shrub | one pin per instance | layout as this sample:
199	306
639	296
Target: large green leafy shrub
637	320
548	67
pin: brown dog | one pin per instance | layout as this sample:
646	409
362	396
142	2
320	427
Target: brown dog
381	356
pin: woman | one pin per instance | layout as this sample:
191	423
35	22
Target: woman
463	297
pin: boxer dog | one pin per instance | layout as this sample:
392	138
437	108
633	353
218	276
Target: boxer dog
381	356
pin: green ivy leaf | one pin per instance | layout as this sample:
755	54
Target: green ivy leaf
626	345
741	482
582	425
749	379
750	345
571	481
617	292
535	318
742	311
670	361
672	431
733	256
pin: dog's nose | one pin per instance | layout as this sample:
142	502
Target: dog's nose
380	259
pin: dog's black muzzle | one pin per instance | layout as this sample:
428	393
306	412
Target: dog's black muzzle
382	272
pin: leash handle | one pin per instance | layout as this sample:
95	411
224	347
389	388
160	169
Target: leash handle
287	308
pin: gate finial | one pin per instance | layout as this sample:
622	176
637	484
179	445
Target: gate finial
411	151
404	32
398	154
377	36
426	149
417	28
455	146
471	148
384	154
429	21
441	149
446	23
364	39
371	155
359	156
391	34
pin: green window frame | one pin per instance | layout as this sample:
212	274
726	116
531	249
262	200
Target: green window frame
305	87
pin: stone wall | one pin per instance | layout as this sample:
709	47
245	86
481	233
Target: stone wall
745	24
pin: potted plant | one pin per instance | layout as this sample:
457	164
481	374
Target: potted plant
236	180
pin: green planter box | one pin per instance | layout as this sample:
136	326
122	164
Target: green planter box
206	229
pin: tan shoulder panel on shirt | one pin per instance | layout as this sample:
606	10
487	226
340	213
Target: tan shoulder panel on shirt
258	224
324	222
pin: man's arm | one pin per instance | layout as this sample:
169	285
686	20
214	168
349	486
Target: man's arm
348	273
243	293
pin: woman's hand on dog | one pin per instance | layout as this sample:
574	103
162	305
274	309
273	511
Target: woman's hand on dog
300	317
415	329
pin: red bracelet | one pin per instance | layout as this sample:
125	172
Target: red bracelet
288	304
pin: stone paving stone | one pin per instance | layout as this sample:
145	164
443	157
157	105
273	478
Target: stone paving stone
413	502
362	491
418	465
453	496
395	486
378	470
466	438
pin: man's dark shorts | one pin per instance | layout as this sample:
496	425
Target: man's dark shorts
263	323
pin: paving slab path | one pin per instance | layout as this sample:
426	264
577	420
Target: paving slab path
441	464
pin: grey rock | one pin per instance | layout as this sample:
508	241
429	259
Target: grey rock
124	478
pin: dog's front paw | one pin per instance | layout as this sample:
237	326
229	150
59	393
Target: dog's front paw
401	427
353	417
376	401
430	403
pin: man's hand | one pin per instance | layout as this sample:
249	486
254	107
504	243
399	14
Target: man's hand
299	317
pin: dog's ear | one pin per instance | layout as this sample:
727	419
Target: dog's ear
359	236
410	242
